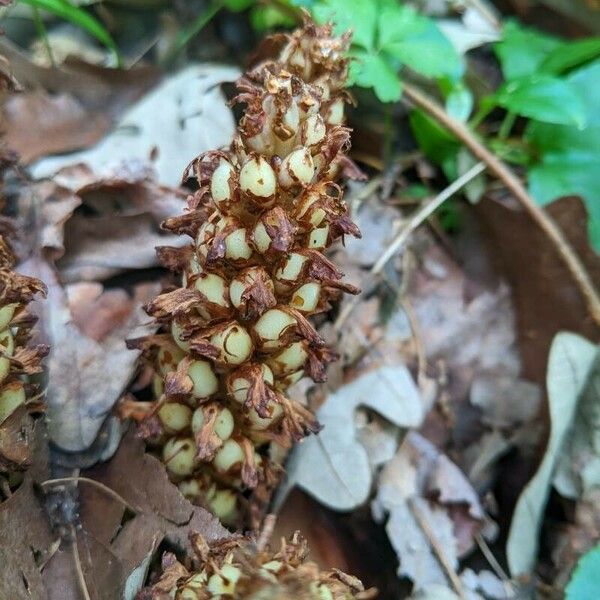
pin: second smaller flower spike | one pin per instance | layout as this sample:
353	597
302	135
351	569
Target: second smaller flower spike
236	568
237	332
19	360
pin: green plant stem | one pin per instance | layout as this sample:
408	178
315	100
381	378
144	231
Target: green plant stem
485	109
495	166
506	125
42	33
64	10
189	33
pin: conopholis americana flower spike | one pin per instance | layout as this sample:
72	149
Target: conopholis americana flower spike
237	332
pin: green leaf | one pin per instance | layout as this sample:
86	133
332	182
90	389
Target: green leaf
522	50
571	55
415	191
190	31
264	18
475	188
586	81
567	162
435	142
513	150
396	23
371	70
417	42
459	102
361	18
568	167
543	98
585	582
238	5
79	17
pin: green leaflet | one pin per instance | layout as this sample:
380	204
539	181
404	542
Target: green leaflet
388	36
585	582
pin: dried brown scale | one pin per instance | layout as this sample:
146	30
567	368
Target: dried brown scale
236	334
236	568
18	360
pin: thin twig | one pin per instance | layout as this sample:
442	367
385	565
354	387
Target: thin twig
514	185
509	587
266	533
78	567
104	488
437	548
425	210
416	336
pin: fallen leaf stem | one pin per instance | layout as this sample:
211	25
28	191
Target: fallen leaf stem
500	170
437	548
425	210
78	567
99	485
493	562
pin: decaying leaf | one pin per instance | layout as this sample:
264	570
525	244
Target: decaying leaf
115	542
487	584
577	478
38	124
25	533
569	364
435	591
180	118
377	225
116	227
418	559
99	89
378	436
92	225
450	307
504	400
89	367
344	477
426	495
545	298
474	586
578	466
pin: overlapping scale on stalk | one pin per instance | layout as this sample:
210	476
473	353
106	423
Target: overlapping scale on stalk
19	360
237	334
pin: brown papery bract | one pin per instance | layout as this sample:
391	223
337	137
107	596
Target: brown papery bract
237	333
18	360
236	568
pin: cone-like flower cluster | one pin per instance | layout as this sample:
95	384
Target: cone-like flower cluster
237	334
18	360
233	568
